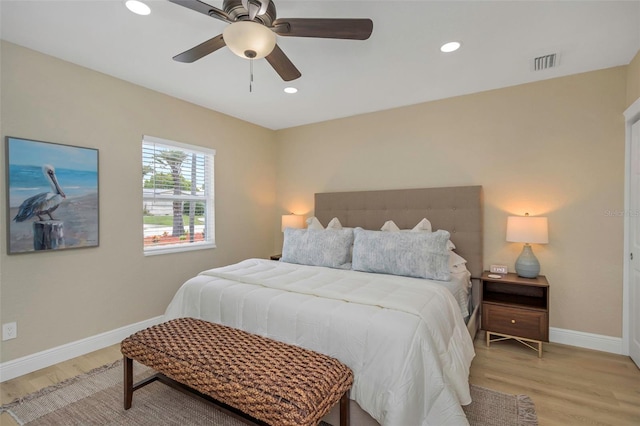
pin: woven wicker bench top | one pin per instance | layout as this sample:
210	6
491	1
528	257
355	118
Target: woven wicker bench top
272	381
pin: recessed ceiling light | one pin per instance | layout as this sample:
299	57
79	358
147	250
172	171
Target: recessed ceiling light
452	46
138	7
290	90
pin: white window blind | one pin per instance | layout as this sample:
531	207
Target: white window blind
177	196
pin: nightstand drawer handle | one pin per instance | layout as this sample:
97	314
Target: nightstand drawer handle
513	321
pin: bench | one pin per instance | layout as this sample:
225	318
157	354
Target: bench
262	380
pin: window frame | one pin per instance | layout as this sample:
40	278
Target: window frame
208	198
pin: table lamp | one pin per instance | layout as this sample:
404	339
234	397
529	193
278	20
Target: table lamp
292	221
529	230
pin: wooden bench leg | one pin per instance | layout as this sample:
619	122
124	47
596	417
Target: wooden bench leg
344	409
128	382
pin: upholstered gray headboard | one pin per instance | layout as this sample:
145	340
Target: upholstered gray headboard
458	210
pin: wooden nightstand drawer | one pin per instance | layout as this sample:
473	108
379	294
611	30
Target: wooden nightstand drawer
530	324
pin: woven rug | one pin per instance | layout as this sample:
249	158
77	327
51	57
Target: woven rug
95	398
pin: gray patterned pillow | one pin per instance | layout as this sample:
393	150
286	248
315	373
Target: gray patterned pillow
411	254
318	247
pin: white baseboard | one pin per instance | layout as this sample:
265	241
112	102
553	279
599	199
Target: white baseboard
30	363
581	339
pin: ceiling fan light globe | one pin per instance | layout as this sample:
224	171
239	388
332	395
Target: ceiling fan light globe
246	36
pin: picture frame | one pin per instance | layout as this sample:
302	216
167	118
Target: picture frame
52	193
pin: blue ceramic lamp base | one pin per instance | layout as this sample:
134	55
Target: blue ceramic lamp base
527	265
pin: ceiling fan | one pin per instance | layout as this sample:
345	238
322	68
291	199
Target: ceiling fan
253	28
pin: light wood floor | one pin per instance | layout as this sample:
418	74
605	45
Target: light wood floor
569	386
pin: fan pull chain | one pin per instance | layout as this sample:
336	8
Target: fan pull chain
250	75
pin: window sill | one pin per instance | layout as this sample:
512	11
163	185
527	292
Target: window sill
153	251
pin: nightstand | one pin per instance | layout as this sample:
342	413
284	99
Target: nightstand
516	308
275	257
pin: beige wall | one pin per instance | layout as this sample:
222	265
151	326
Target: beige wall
553	148
60	297
633	80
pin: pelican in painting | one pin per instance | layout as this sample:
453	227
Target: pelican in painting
43	203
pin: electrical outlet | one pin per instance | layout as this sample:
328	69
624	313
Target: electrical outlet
9	331
498	269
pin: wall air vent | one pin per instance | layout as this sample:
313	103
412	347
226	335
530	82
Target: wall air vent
546	61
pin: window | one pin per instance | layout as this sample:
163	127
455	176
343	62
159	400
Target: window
177	196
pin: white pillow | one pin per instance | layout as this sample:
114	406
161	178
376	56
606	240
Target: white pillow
334	224
314	223
423	225
390	226
456	262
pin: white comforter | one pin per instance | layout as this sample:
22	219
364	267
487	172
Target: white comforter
404	338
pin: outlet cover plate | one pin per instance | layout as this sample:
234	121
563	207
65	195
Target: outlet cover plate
9	331
498	269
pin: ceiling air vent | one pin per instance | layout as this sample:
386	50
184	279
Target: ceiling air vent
546	61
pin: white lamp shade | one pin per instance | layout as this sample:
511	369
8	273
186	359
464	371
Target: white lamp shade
245	38
527	229
292	221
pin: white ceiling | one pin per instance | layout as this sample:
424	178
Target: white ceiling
399	65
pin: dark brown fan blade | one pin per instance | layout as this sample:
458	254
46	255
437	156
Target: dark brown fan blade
283	66
353	29
201	50
203	7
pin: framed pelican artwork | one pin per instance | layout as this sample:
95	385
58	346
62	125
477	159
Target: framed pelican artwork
52	196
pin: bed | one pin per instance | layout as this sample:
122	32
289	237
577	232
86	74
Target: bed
404	337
